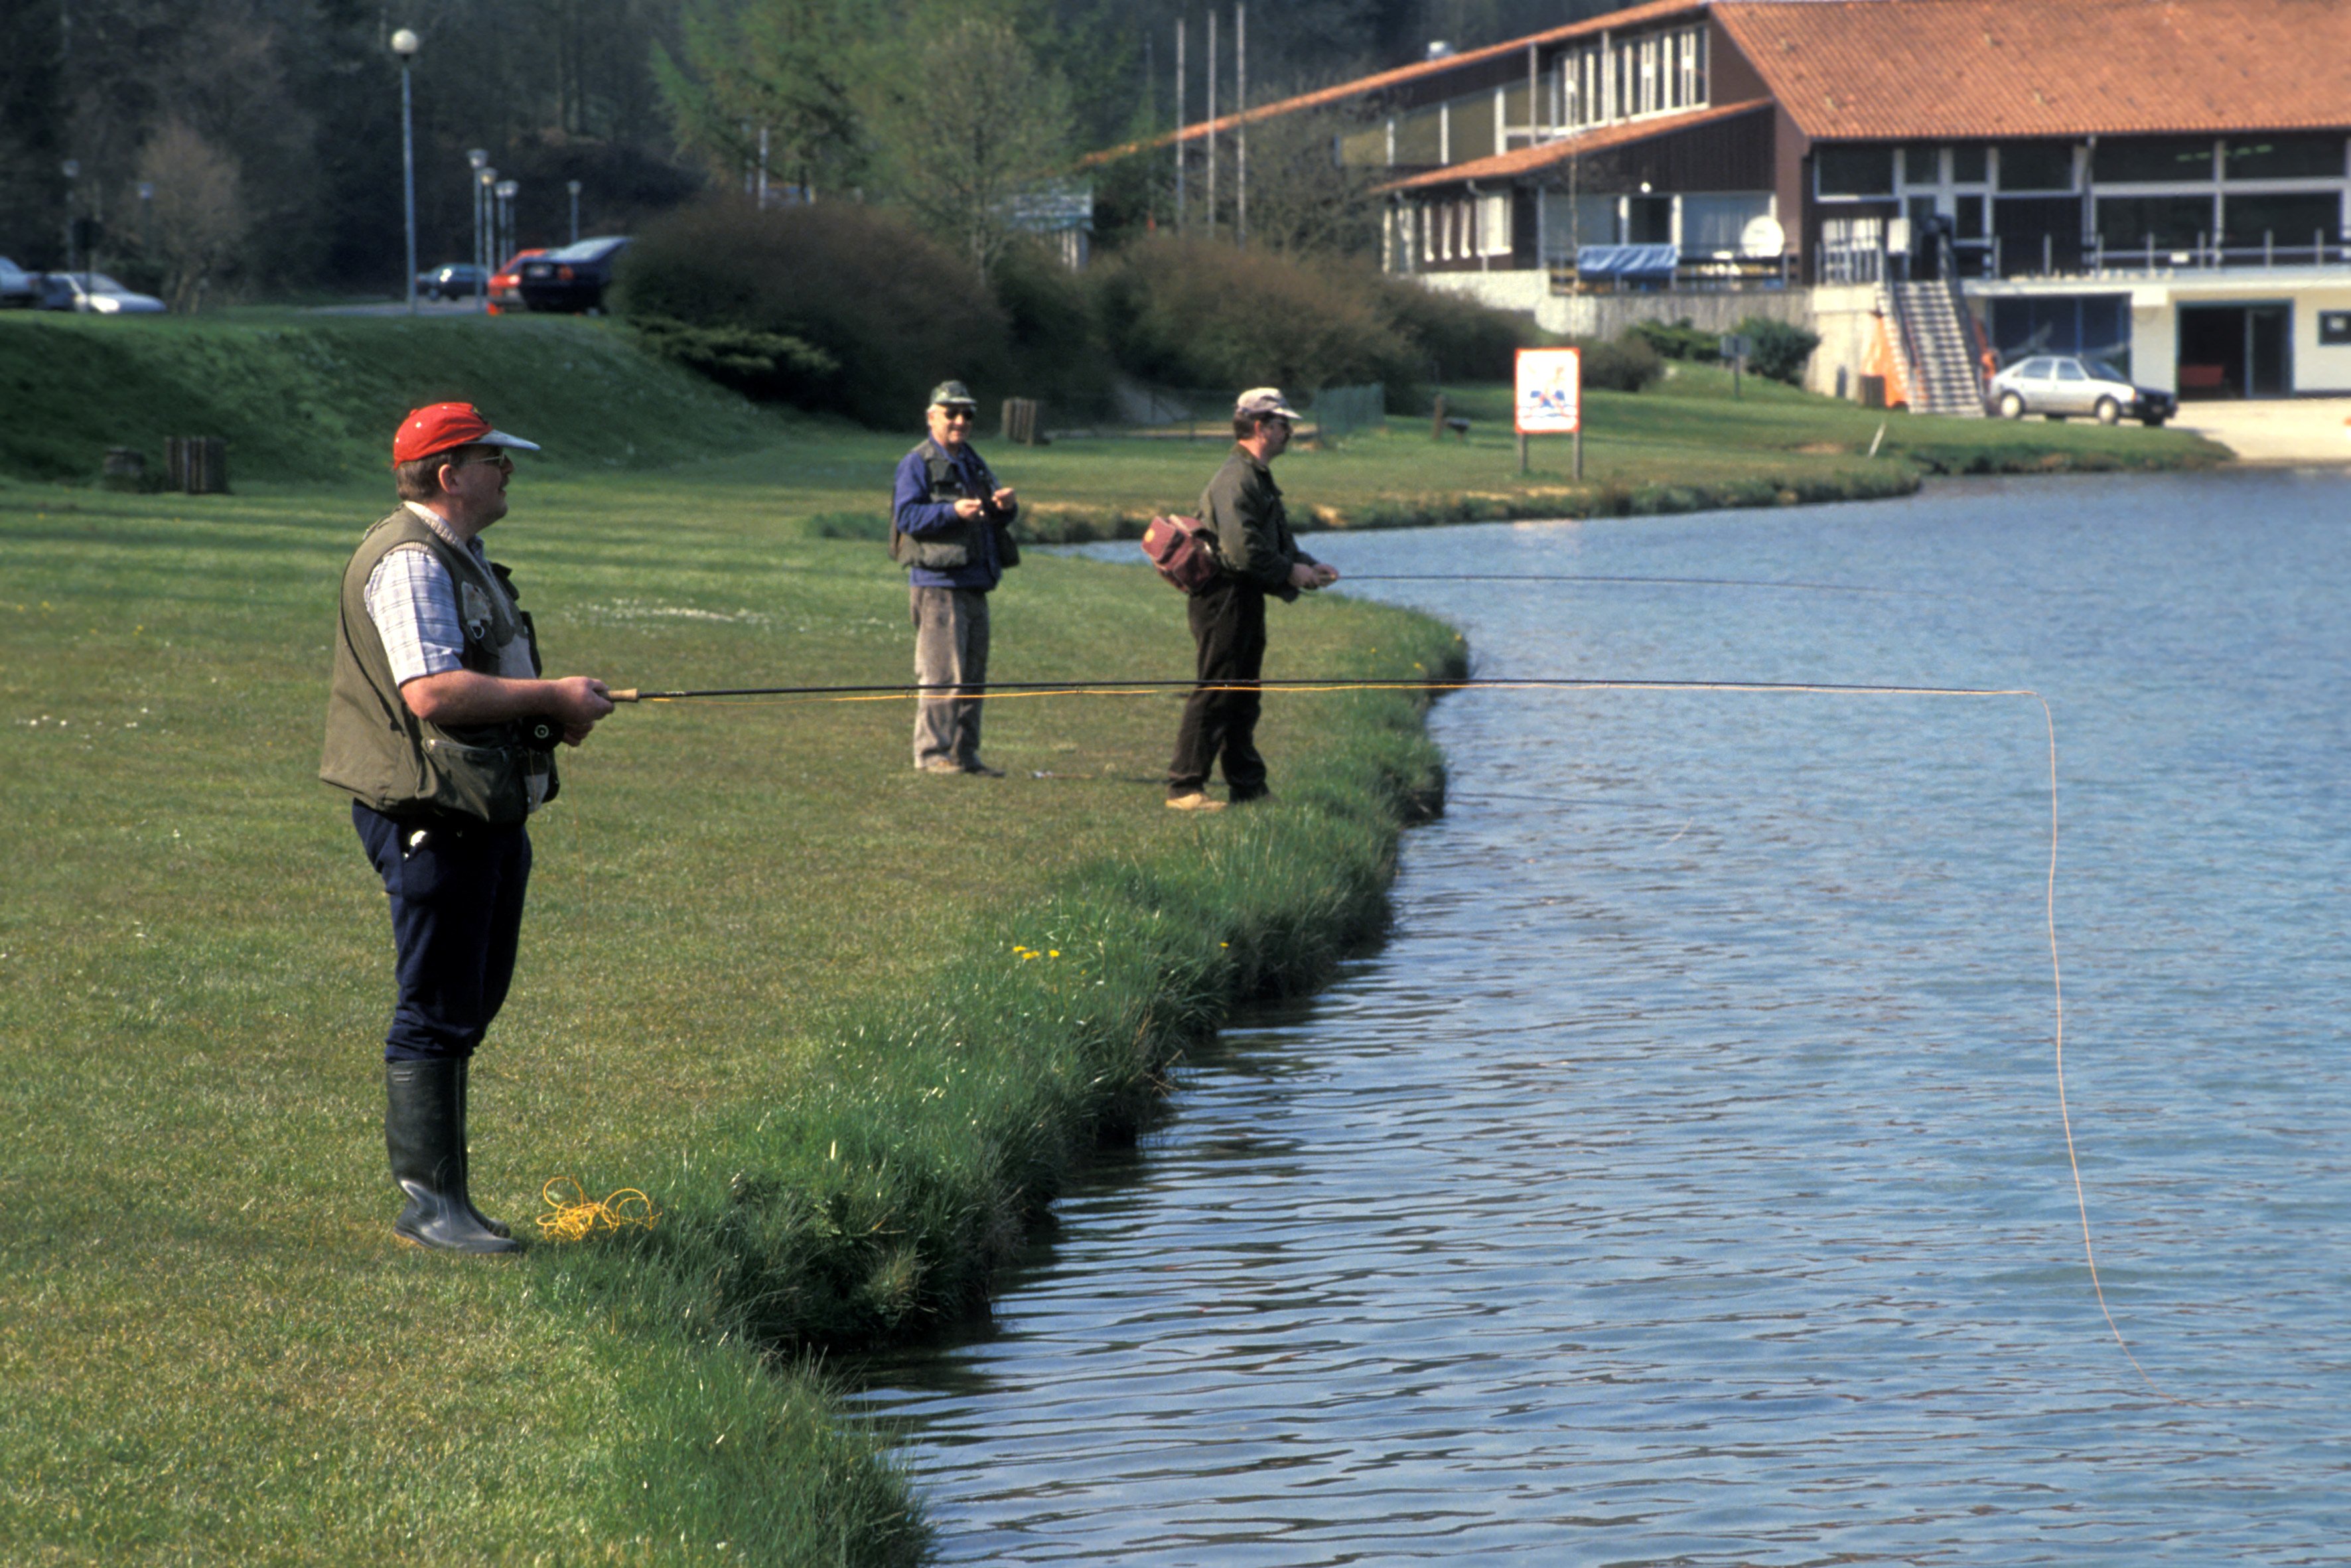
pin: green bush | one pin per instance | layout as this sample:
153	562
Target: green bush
894	311
1459	339
1197	313
1628	365
1057	355
1680	341
1780	348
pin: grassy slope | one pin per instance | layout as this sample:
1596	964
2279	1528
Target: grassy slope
310	397
210	1347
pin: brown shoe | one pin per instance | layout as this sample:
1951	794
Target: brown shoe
1194	801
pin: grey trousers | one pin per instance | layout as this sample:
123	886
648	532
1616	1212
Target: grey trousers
950	649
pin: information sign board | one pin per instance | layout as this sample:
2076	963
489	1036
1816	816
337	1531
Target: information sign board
1550	392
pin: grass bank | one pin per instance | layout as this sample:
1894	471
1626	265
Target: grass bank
308	398
849	1027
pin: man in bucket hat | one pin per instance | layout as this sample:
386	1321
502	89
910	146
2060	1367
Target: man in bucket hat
1242	508
442	730
951	529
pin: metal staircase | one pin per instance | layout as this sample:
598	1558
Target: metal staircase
1938	348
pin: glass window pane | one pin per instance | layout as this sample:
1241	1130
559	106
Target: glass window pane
2168	222
1855	171
2283	157
1922	165
1969	165
2036	166
2286	219
2142	160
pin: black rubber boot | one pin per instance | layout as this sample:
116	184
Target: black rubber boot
425	1132
466	1155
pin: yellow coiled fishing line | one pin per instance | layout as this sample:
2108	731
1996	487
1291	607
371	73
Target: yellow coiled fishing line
574	1216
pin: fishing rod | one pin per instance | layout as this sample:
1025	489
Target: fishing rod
1115	687
1669	581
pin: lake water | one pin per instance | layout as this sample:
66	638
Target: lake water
1684	1181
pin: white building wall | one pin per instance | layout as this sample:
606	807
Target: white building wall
2320	368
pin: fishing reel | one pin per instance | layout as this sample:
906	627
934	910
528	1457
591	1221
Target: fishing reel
541	733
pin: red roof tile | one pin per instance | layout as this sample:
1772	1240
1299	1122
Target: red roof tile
1893	68
1526	160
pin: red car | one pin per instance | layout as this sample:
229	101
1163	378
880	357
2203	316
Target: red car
505	284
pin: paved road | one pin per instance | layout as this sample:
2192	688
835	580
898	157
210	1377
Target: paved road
2276	431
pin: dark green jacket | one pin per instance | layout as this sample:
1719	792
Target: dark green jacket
379	752
1242	506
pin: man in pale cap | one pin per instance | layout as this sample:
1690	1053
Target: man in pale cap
442	730
951	529
1244	518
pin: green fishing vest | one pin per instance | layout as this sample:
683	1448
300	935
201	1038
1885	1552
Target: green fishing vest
385	757
951	548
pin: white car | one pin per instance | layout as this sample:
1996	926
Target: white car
97	293
2061	386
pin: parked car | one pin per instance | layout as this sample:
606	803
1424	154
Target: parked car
573	279
505	283
450	280
2062	385
19	290
95	293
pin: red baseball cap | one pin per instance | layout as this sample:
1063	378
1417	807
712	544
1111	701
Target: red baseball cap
441	426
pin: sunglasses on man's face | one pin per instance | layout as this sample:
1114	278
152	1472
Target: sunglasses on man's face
493	459
965	415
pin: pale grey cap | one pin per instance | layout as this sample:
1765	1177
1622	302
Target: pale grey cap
1260	401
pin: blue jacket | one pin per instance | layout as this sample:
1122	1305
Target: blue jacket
925	514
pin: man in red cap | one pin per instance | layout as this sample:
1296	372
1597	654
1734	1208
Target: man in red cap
442	730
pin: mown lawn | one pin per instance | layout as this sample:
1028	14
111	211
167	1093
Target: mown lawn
210	1347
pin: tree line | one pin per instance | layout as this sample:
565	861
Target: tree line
225	148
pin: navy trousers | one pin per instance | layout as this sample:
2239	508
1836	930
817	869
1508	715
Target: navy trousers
456	891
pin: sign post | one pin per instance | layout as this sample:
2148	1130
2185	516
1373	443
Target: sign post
1549	399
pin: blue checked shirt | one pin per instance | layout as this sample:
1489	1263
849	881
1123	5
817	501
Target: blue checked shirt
414	603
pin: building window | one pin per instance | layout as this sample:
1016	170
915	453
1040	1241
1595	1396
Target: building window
2283	158
2036	166
2153	160
2162	224
1693	72
2254	223
1494	225
2335	329
1649	103
1922	166
1420	139
1969	165
1855	170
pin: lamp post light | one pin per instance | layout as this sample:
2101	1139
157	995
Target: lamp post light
508	190
573	186
405	43
478	161
71	169
486	184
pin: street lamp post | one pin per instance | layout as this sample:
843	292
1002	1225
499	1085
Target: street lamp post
573	186
508	190
405	43
486	185
71	168
479	161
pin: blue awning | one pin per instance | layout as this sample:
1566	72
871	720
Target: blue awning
1643	261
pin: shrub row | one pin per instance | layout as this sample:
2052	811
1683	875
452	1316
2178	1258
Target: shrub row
1780	348
844	306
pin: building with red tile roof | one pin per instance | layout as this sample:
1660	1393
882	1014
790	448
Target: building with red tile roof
2160	181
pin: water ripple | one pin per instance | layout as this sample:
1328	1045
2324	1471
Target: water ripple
1682	1183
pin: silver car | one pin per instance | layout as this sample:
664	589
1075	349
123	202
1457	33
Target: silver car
2066	386
97	293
